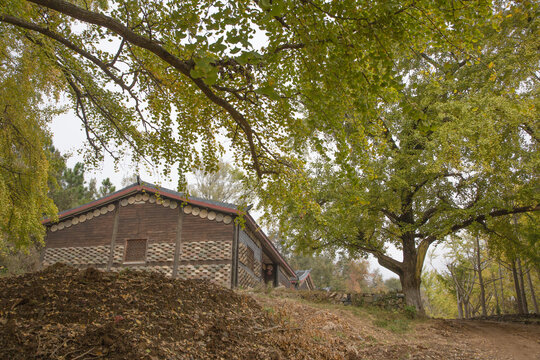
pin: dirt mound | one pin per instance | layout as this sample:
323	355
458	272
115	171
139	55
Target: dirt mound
66	313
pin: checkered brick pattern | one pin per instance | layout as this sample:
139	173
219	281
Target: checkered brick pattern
88	255
165	270
160	252
257	268
217	273
206	250
243	257
246	280
242	253
118	257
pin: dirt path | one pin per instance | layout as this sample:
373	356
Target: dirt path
502	340
429	339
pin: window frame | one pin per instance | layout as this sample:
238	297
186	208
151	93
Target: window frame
126	250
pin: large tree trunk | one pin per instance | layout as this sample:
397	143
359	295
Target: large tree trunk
413	261
409	270
410	285
480	279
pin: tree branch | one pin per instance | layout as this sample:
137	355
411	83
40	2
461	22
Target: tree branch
494	213
155	47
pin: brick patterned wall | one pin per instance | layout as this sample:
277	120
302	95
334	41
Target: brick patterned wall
253	244
242	257
206	247
84	255
92	232
245	279
257	269
165	270
147	221
118	257
160	252
242	253
206	250
217	273
283	279
195	228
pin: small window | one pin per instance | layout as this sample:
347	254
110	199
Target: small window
135	250
250	258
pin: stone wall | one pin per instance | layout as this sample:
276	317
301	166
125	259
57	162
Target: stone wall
390	300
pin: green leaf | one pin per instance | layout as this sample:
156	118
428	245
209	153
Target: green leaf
268	91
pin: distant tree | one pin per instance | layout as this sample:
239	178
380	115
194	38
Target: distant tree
357	276
129	179
222	183
376	282
393	284
324	271
70	188
439	295
106	187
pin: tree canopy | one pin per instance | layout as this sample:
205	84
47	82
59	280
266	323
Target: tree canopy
24	169
361	122
458	146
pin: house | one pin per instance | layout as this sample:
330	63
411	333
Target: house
147	227
303	280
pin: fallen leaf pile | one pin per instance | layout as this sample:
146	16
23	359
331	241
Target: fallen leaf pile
66	313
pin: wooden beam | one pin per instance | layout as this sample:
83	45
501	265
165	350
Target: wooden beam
234	257
178	243
114	233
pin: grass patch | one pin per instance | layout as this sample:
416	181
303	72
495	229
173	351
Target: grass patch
396	321
398	326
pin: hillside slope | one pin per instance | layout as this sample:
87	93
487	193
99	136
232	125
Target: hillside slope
65	313
371	333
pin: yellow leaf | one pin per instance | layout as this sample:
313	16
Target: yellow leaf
491	64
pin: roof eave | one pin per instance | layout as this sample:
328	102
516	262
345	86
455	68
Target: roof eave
134	188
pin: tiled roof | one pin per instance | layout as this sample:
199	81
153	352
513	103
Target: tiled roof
302	274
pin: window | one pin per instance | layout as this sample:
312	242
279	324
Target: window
135	250
250	258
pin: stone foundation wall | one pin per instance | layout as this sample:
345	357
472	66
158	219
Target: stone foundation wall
84	255
217	273
387	300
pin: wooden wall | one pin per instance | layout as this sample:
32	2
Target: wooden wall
205	245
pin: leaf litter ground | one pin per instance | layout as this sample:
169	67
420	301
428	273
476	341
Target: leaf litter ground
65	313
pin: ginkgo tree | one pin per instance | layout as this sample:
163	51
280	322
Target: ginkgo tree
458	147
24	168
183	72
271	81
